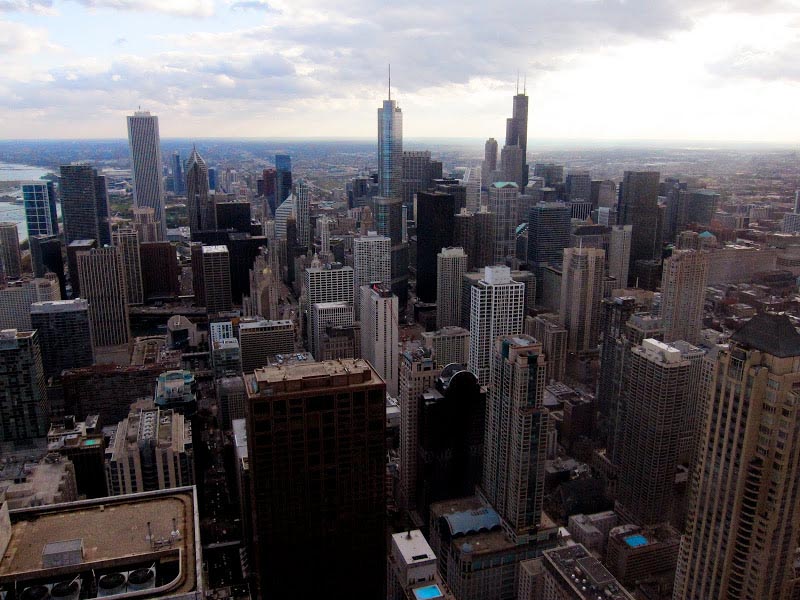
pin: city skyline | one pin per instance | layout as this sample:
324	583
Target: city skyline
302	70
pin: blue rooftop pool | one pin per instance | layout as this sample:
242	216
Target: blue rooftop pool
634	541
428	592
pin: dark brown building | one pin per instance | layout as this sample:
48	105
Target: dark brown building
160	272
315	434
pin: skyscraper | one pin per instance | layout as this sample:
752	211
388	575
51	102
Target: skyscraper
283	177
683	294
638	206
435	220
10	257
515	437
743	523
489	158
371	263
216	269
619	254
581	293
64	333
200	204
390	148
302	215
389	222
144	222
451	264
325	315
379	333
84	204
517	134
40	208
260	340
578	186
417	174
496	309
330	283
548	235
46	257
145	146
178	181
127	240
102	278
24	409
503	197
318	496
16	299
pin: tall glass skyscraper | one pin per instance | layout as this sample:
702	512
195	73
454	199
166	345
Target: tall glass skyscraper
40	208
283	180
390	148
178	181
145	144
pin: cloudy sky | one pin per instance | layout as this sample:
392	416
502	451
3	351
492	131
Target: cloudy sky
596	69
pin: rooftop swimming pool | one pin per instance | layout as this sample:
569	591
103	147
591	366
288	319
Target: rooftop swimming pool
634	541
428	592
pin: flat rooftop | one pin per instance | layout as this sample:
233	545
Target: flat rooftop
113	531
352	371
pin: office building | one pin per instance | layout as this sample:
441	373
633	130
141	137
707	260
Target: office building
64	334
390	149
160	270
148	185
581	294
742	524
496	309
39	200
260	340
330	283
268	190
573	573
24	407
264	286
683	294
512	161
199	202
551	173
283	177
301	193
102	278
502	204
46	257
578	186
658	380
16	299
548	235
548	331
379	334
73	249
638	206
226	358
435	221
36	482
417	175
216	278
619	253
84	204
127	240
451	264
178	178
10	257
450	345
517	139
312	507
327	315
372	262
483	241
144	222
516	435
489	158
389	222
150	450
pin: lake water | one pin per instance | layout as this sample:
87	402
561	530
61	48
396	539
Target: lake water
15	212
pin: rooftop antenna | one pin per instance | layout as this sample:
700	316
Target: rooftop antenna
390	81
524	83
517	81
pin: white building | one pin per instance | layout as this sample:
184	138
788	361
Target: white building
619	253
323	315
379	336
16	299
330	283
581	293
148	184
372	262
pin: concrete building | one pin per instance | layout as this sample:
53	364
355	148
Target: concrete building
232	399
24	407
451	266
17	297
176	390
264	286
102	278
146	544
581	293
643	556
592	530
216	279
502	204
450	345
379	332
81	442
683	294
226	357
619	253
150	450
411	569
84	204
48	481
330	283
148	184
64	334
549	332
331	515
572	572
372	262
742	524
496	309
260	340
10	257
327	315
47	257
127	240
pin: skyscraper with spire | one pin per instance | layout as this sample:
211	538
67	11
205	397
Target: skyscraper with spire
148	185
517	136
201	207
390	146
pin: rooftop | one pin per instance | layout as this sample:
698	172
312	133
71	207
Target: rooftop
584	574
770	333
312	374
413	546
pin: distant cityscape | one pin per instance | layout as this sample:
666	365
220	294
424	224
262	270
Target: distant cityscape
457	369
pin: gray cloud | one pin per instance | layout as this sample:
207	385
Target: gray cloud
182	8
752	63
252	5
32	6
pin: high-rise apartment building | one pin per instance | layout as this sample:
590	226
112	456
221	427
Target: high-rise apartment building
64	334
372	262
10	257
127	240
216	278
324	316
16	299
330	283
496	309
150	450
84	204
581	293
379	332
450	345
318	494
516	435
260	340
638	206
657	382
683	294
619	253
389	222
199	202
411	569
148	184
24	408
451	264
503	197
102	277
743	523
547	330
39	200
390	149
435	221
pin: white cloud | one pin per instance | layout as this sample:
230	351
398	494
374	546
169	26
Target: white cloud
181	8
